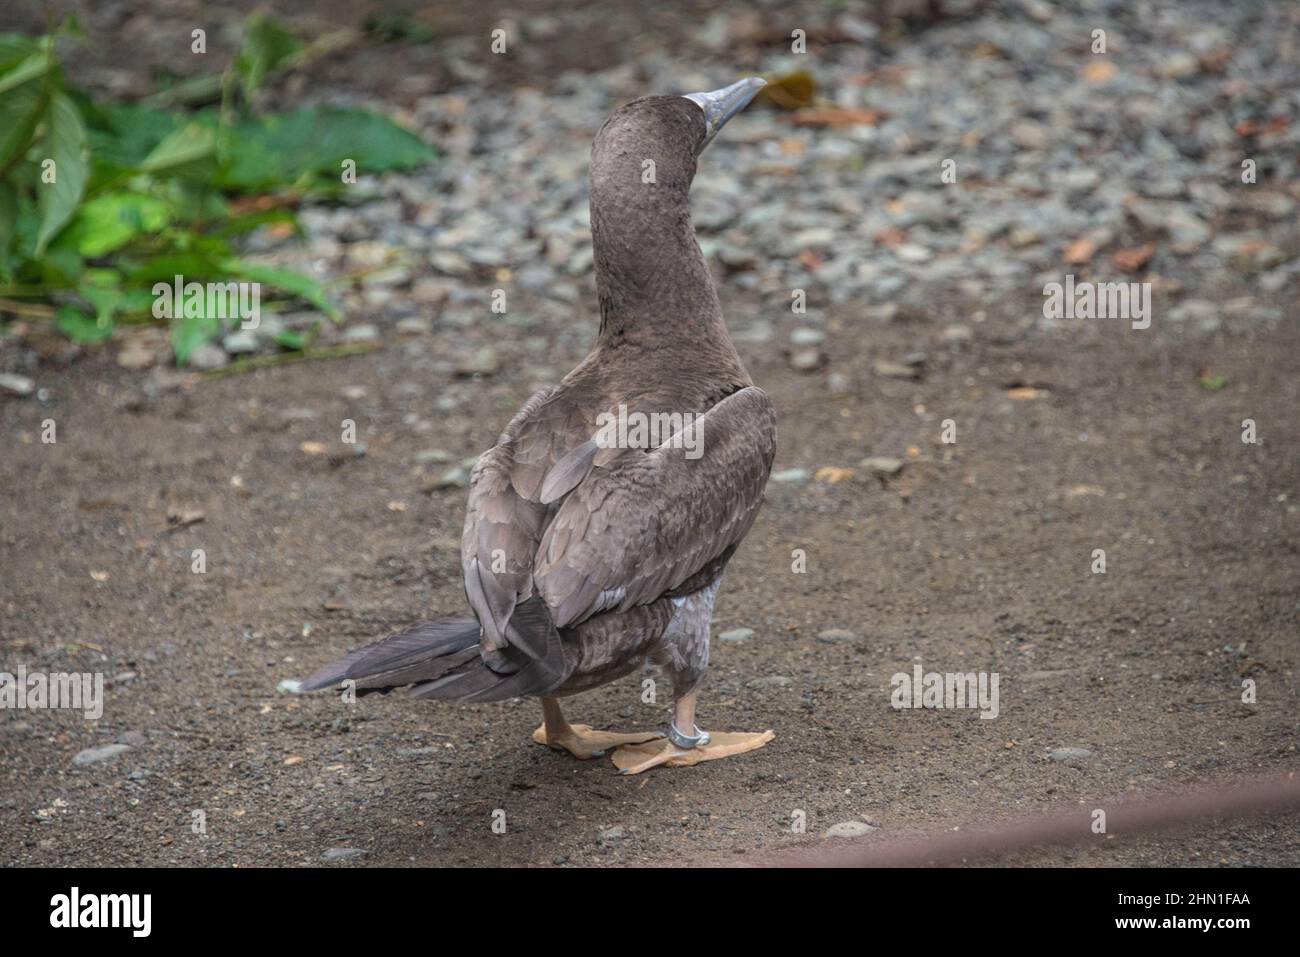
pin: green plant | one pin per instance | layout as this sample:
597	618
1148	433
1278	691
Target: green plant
98	201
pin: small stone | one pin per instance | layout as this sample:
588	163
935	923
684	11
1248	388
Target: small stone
838	635
289	686
956	334
135	355
791	475
1030	135
1179	65
208	356
133	739
737	634
849	829
895	370
772	681
807	360
433	457
414	326
807	337
483	362
426	752
1068	755
95	755
615	833
16	384
457	477
913	253
1193	309
341	853
881	465
239	343
362	333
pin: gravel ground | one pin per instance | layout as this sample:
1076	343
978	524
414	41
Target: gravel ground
924	305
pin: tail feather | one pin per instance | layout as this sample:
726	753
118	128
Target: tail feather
539	668
422	652
443	660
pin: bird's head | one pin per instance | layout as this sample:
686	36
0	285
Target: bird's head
654	141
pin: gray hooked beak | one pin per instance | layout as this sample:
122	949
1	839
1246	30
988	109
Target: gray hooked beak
721	105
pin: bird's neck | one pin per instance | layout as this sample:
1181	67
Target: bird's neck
654	284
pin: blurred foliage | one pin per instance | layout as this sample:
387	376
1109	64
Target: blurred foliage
100	200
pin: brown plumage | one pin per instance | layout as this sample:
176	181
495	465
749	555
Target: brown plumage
582	560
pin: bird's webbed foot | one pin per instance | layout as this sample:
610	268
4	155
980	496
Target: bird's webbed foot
635	758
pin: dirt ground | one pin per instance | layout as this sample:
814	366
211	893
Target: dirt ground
977	557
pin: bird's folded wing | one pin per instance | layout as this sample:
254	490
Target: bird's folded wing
505	518
645	522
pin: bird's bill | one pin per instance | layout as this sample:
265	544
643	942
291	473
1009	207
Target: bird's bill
719	106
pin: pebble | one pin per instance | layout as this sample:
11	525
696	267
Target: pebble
342	853
838	635
807	360
457	477
849	829
615	833
483	362
895	370
881	465
362	333
796	476
208	356
16	384
736	634
241	342
1068	755
136	355
97	755
414	326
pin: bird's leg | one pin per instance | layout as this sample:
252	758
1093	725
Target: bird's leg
580	740
686	744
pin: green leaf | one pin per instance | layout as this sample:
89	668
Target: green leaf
79	326
267	45
20	111
275	150
201	261
188	146
14	49
288	339
294	283
65	143
36	65
112	220
123	135
105	299
8	214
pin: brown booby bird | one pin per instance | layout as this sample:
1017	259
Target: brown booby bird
600	523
